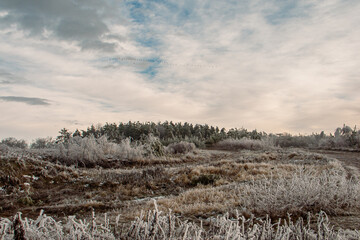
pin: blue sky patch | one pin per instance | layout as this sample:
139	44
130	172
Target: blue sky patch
152	70
286	10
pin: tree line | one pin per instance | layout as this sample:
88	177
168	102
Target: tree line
167	132
201	135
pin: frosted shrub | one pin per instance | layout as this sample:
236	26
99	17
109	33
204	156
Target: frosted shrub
41	143
288	140
81	150
153	146
180	147
14	143
337	142
4	148
244	143
128	150
305	191
149	148
89	151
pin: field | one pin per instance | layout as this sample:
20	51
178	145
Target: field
205	192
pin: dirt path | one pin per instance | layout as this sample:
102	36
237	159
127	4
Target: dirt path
347	158
351	162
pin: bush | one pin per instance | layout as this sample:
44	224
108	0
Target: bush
128	150
339	142
195	140
41	143
89	151
13	142
86	151
305	191
153	146
288	140
180	147
244	143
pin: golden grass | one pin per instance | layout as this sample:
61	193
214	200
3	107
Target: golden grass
237	172
200	201
174	179
303	190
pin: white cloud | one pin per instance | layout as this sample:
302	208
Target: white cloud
278	68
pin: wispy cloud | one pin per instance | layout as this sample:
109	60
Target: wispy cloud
27	100
10	78
280	65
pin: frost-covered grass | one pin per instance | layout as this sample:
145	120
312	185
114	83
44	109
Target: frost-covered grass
244	143
158	225
330	191
304	191
201	185
46	227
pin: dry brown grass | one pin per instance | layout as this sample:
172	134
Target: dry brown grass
201	201
244	171
297	193
228	171
196	185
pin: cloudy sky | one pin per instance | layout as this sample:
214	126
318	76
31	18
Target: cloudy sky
273	65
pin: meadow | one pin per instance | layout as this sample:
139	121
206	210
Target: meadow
239	184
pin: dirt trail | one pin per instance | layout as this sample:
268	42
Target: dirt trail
349	160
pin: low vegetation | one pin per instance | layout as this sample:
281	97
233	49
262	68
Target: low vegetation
238	185
245	143
157	225
305	191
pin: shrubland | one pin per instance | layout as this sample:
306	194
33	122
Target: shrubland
206	195
90	151
208	184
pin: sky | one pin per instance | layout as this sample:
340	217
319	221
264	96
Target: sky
271	65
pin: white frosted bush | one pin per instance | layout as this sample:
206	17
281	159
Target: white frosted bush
305	191
41	143
14	143
129	151
245	143
91	151
81	150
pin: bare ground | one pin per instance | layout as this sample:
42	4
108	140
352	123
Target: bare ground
348	158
